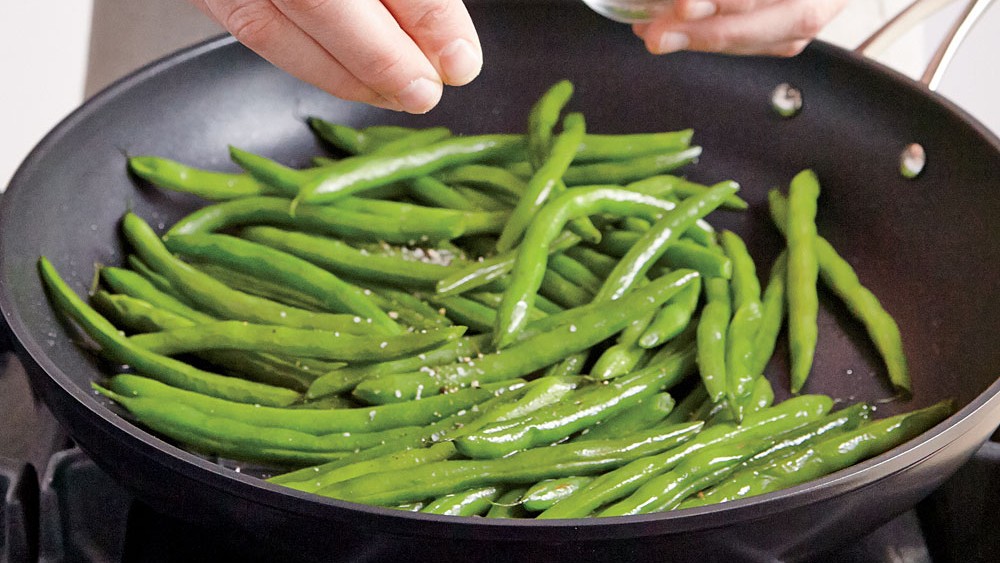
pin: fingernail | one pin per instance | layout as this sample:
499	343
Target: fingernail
700	10
419	96
460	62
672	41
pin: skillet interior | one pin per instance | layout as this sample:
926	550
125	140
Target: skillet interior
928	248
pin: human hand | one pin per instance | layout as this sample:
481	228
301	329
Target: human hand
740	27
395	54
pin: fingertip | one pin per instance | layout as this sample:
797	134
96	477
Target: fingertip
420	95
639	29
461	62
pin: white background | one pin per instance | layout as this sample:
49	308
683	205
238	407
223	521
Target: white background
44	45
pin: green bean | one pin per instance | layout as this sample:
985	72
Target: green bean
345	178
215	186
311	481
681	254
745	286
138	315
433	445
416	139
135	285
131	283
686	189
654	242
494	179
347	378
686	410
435	192
580	410
243	439
836	423
642	416
611	486
600	264
509	505
532	256
279	177
542	393
710	411
466	312
664	492
570	365
846	419
323	344
588	326
666	185
133	314
485	201
473	502
574	272
546	305
492	300
369	139
331	255
619	147
828	455
544	183
410	308
702	232
215	297
528	467
474	222
481	273
841	278
160	282
544	494
332	402
249	257
542	120
772	316
760	396
713	327
635	225
672	318
626	353
803	271
347	139
479	306
625	171
319	219
118	348
361	419
562	291
688	254
259	286
740	340
381	134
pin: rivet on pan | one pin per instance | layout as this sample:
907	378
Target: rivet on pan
786	100
912	161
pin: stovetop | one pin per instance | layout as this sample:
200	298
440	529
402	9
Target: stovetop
58	506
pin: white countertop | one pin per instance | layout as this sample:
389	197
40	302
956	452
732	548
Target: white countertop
43	58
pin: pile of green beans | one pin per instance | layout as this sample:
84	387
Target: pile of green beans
508	326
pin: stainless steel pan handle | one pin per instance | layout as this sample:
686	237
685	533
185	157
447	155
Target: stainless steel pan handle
916	13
